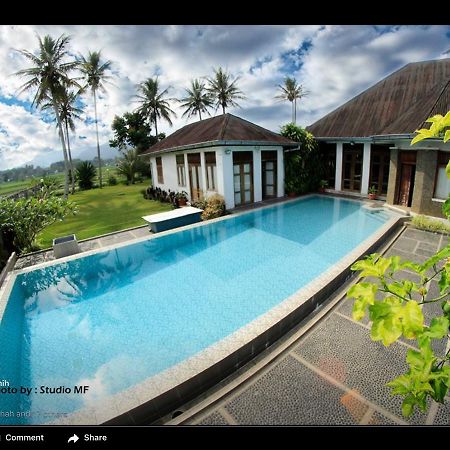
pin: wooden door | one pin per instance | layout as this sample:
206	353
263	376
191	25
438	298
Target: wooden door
195	176
406	185
243	177
269	174
352	167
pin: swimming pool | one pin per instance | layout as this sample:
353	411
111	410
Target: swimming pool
115	318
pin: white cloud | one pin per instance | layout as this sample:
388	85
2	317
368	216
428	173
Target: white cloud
342	61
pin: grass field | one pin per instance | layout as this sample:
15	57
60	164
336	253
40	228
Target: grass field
14	186
101	211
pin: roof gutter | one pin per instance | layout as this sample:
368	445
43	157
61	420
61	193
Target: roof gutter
219	143
375	137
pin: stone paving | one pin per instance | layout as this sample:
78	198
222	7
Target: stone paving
334	374
90	244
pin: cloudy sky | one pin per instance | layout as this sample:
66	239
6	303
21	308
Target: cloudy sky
333	63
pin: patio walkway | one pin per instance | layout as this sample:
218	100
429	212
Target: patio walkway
333	374
88	244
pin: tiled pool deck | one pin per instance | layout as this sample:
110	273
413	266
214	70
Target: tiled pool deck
333	374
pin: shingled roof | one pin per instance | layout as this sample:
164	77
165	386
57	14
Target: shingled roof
225	127
398	104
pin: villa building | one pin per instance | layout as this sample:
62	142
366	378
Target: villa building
367	140
225	155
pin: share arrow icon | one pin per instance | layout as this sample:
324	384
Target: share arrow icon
73	438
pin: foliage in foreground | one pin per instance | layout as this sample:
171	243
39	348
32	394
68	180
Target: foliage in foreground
429	224
24	219
399	313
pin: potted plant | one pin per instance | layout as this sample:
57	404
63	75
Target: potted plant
372	193
322	185
182	198
290	189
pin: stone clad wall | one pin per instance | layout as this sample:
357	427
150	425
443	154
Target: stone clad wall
424	184
393	166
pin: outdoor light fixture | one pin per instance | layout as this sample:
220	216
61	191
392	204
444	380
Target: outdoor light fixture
227	151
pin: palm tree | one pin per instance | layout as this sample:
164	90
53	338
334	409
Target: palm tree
68	111
198	100
291	91
50	77
93	71
223	90
153	104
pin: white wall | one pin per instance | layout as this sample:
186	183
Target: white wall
224	164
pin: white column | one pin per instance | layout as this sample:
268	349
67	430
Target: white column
257	178
338	173
225	177
203	172
366	169
280	173
188	180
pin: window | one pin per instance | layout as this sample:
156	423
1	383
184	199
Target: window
181	171
442	183
159	170
211	171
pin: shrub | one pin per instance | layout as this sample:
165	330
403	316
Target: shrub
25	218
128	165
428	224
85	175
112	180
215	207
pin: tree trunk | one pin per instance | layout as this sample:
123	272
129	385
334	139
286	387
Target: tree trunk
200	114
72	173
98	145
156	126
295	110
292	115
223	108
66	161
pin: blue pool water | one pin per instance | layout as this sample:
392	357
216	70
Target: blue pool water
113	319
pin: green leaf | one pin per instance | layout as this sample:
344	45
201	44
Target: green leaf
447	136
365	295
433	260
367	266
408	405
446	205
440	389
412	319
395	263
414	359
447	169
400	385
438	327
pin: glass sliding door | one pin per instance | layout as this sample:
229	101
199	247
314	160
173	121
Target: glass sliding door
352	167
269	174
243	177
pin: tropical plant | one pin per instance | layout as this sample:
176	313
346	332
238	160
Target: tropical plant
68	111
86	174
428	224
112	180
215	207
132	130
128	165
153	105
304	167
399	313
223	90
373	190
49	77
26	218
94	74
198	100
292	92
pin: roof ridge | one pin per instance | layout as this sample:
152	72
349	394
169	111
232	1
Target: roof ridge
223	127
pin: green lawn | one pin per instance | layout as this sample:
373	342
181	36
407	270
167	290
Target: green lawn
13	186
103	211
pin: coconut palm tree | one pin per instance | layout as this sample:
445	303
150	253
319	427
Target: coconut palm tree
68	111
291	91
93	70
198	100
223	90
49	76
153	104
